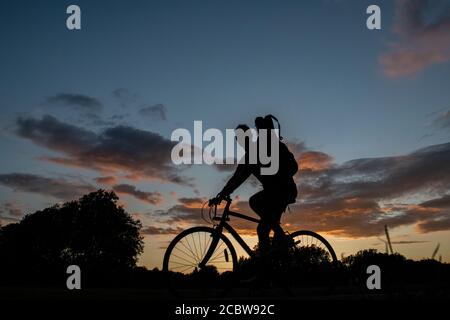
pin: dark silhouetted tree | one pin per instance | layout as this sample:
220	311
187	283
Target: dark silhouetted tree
93	232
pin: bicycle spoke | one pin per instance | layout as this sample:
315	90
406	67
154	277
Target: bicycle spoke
184	252
214	256
193	254
215	250
217	256
182	265
218	247
181	258
185	269
188	247
221	261
218	260
200	244
192	237
207	246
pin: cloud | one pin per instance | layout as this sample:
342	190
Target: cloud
88	108
156	112
426	170
423	39
442	121
307	159
55	135
10	212
151	230
78	101
314	160
94	119
119	149
110	180
125	97
58	188
192	202
357	198
189	212
436	215
149	197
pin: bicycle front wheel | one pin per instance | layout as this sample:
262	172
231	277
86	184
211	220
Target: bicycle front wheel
184	275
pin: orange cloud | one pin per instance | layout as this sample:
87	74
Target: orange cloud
109	180
420	43
314	161
192	203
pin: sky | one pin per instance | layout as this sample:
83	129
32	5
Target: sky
366	112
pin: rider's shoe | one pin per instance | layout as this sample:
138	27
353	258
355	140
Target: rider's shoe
262	277
282	244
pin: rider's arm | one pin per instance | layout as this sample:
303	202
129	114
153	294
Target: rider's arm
243	171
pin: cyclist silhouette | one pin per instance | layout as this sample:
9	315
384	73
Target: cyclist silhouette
279	189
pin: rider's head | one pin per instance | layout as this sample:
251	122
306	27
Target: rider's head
243	127
264	123
243	135
259	122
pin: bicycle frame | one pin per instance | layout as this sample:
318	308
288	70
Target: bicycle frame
223	224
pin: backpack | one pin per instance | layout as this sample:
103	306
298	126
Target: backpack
288	162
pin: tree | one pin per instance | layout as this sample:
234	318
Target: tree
92	232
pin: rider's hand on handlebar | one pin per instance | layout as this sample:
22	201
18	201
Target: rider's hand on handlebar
214	201
217	200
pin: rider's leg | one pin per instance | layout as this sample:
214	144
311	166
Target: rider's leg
278	232
275	207
258	204
269	206
263	231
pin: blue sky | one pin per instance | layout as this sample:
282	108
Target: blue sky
313	64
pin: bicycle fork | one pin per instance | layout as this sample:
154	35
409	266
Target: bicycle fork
212	248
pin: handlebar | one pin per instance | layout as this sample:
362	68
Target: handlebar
212	204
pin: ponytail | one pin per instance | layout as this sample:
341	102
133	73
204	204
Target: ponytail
270	118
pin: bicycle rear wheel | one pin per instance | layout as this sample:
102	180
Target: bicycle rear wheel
310	265
185	278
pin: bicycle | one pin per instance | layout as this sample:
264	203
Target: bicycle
202	262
